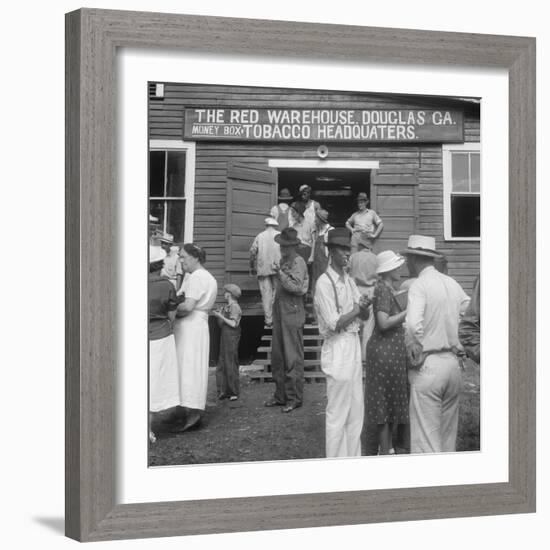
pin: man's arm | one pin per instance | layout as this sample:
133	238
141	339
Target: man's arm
294	278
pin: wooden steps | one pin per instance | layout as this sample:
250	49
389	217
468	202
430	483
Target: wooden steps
312	352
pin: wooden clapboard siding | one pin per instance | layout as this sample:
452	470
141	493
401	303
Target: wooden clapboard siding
401	162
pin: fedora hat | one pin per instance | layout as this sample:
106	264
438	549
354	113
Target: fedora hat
288	237
322	215
339	236
421	245
233	289
388	261
271	221
156	254
299	207
285	195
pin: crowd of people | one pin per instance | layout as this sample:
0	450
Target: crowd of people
391	352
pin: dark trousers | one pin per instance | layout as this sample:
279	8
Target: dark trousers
287	350
227	371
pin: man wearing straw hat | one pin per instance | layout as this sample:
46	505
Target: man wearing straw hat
265	254
287	344
338	306
435	303
172	268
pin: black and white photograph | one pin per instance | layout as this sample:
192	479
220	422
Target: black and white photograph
313	283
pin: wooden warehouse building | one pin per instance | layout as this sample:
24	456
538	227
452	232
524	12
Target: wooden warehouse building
220	154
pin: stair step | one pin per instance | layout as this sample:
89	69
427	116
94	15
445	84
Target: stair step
267	349
317	376
269	337
307	362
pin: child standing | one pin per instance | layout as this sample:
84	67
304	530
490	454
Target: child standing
363	221
229	318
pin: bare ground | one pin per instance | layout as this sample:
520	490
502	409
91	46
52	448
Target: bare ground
245	430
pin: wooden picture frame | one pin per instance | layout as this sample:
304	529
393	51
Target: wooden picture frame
92	39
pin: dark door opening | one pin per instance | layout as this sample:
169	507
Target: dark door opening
335	190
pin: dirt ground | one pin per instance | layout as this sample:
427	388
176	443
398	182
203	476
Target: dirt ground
245	430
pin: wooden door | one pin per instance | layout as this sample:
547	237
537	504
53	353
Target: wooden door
394	196
251	192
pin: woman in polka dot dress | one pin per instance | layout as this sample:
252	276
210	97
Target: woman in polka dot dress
386	369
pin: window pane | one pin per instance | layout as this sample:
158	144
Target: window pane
460	172
176	219
176	174
156	209
465	216
474	171
156	173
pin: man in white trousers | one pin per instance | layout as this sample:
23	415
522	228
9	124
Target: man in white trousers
265	255
435	303
338	306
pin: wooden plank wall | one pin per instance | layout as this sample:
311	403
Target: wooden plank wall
212	160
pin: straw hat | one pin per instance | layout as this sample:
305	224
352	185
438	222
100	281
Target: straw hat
339	236
156	254
421	245
288	237
271	221
167	238
388	261
233	289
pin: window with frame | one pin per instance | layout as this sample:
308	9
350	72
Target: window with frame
167	200
462	200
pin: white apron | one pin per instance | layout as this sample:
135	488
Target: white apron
193	346
163	374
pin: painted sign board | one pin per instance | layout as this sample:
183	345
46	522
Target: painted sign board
324	125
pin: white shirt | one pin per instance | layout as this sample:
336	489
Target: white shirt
266	252
325	303
435	303
202	287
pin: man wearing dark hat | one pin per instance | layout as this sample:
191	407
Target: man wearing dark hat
434	306
338	306
287	345
281	211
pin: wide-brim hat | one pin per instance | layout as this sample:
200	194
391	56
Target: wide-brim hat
285	195
322	215
271	221
339	236
156	254
287	237
299	207
388	261
421	245
233	289
167	238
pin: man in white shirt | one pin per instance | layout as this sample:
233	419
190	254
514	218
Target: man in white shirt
435	303
265	255
337	305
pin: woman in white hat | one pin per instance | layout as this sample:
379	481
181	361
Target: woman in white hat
163	364
386	372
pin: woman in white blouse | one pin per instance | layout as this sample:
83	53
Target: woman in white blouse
199	288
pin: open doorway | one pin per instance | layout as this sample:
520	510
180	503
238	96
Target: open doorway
334	189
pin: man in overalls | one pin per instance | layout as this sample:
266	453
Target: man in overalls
287	344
